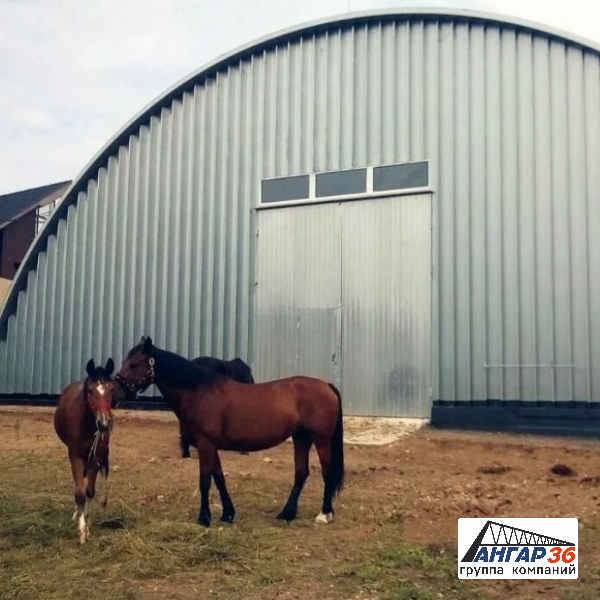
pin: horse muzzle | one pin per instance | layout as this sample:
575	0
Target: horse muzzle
103	423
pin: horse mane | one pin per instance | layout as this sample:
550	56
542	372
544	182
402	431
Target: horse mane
182	373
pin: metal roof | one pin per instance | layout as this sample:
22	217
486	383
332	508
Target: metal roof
244	51
15	205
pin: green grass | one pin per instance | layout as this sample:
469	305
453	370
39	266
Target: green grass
414	573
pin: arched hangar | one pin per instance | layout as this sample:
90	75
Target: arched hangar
406	203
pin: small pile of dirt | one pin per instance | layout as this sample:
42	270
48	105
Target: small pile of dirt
595	480
493	469
563	470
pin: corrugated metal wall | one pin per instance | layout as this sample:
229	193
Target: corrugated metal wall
344	294
386	295
298	309
162	241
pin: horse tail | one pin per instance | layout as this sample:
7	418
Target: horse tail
337	448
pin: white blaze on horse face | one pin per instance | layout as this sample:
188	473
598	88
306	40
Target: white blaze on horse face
324	518
102	418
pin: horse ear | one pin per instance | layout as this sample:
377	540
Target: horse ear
90	368
147	345
142	340
109	368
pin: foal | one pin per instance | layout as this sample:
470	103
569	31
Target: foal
236	369
83	420
225	415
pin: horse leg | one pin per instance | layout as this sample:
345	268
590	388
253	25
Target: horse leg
324	452
302	442
184	441
206	453
100	463
228	509
78	470
90	491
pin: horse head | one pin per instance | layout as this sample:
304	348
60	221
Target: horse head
98	391
137	371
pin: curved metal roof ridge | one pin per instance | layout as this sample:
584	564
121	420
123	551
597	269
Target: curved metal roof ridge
212	67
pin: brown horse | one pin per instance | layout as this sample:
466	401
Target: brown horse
83	420
223	414
236	369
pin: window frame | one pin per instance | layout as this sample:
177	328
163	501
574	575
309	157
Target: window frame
400	166
367	194
299	180
326	173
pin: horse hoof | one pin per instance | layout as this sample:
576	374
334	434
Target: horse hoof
204	520
324	518
286	516
186	455
228	518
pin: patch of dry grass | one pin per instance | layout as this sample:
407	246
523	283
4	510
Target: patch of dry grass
394	537
142	548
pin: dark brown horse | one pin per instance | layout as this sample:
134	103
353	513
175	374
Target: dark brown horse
235	369
223	414
83	420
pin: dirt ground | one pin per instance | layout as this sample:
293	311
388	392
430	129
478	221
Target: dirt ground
408	495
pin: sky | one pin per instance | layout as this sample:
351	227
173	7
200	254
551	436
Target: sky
72	73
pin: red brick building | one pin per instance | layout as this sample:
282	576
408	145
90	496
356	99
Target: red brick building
21	215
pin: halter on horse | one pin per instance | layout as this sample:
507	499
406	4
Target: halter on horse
83	421
225	415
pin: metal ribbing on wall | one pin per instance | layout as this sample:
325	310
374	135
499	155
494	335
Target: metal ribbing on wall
386	306
162	240
298	301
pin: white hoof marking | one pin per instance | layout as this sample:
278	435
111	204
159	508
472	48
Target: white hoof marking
324	518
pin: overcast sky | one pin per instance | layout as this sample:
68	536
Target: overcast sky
73	72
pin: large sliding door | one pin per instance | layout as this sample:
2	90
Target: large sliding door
298	303
386	290
344	293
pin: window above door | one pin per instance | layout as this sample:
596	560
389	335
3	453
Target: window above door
351	184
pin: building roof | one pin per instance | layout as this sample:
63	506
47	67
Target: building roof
17	204
222	62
